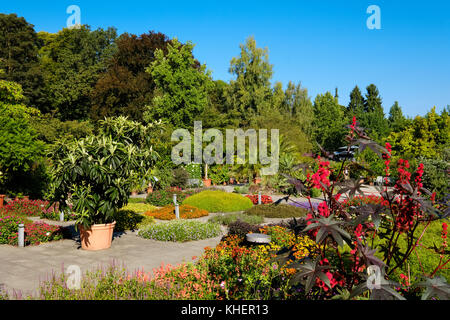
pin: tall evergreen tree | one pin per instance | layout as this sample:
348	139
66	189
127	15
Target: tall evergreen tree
374	113
356	104
396	118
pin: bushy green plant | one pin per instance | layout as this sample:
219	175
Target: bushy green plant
130	220
99	171
164	197
277	211
219	201
181	231
241	190
194	170
226	219
180	178
219	174
435	176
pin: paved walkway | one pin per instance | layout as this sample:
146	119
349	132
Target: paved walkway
24	268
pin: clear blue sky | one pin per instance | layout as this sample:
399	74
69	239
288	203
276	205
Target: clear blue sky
322	44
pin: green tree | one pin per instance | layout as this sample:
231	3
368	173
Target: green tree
125	88
396	118
374	114
19	46
181	87
329	122
72	63
251	91
21	154
356	105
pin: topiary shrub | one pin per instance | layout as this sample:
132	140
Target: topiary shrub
227	219
277	211
181	231
219	201
186	212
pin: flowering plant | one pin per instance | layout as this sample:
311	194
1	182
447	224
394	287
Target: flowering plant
265	199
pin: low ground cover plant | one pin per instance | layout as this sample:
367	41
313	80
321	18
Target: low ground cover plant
168	212
181	231
277	211
164	197
226	219
30	208
219	201
139	207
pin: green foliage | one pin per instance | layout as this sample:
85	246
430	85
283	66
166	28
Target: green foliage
180	178
127	219
226	219
277	211
194	170
163	197
241	190
219	174
435	176
99	171
181	87
219	201
181	231
329	122
71	65
19	45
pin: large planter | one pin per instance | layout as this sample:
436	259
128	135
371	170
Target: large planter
207	182
257	180
2	198
97	237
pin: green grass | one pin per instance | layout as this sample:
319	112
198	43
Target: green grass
136	200
181	231
219	201
226	219
277	211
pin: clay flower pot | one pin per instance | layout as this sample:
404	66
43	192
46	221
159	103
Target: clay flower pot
97	237
207	182
2	198
257	180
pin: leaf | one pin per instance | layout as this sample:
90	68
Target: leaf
329	226
436	287
311	270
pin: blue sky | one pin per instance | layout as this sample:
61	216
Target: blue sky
322	44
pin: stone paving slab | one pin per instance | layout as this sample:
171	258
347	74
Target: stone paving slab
23	268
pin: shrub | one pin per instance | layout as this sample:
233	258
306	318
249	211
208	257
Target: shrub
130	220
163	197
241	228
181	231
264	198
180	178
226	219
277	211
219	201
194	170
186	212
136	200
241	190
436	177
139	207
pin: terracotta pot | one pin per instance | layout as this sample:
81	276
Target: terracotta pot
257	180
207	182
149	190
26	198
97	237
2	197
134	193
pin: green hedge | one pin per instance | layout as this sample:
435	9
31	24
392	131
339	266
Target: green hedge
219	201
277	211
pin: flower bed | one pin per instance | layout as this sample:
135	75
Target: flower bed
277	211
181	231
168	212
35	233
29	208
265	199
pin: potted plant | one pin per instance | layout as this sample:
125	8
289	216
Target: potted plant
99	172
2	198
206	181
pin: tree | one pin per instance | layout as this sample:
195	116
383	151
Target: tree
396	118
20	152
356	105
72	63
125	88
181	87
329	122
374	114
250	92
19	46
